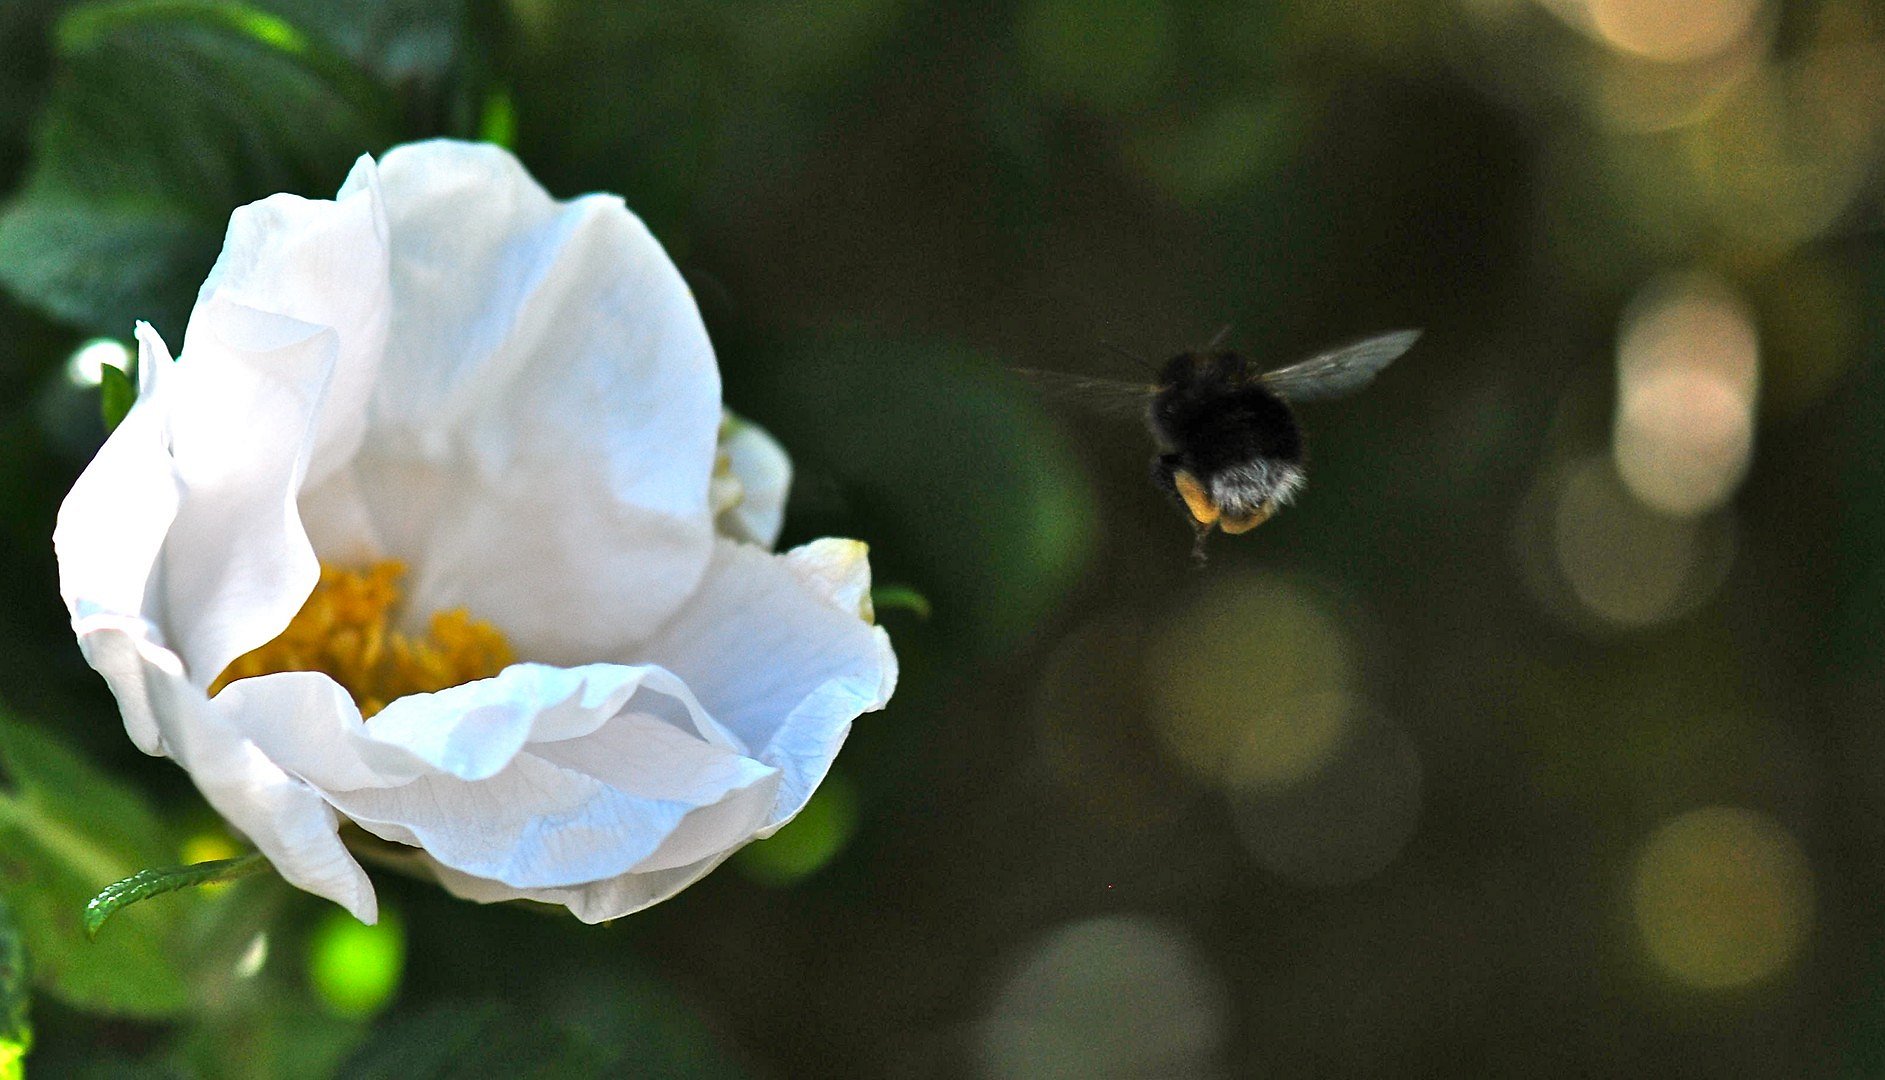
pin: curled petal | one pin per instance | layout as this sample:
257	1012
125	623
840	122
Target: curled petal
113	522
538	777
591	902
187	519
286	818
543	429
776	658
514	397
763	473
314	263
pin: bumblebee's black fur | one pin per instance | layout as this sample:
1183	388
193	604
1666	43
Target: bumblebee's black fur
1213	419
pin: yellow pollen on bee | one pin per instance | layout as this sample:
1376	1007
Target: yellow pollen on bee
347	630
1203	509
1244	524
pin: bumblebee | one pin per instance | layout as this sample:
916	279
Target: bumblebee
1230	451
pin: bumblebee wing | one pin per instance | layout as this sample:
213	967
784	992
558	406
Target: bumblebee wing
1338	371
1109	397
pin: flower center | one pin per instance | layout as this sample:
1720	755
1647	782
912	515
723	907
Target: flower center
346	631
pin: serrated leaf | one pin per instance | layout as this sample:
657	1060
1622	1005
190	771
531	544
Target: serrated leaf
16	1031
165	116
157	881
116	394
65	829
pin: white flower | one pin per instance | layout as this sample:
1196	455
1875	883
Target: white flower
485	423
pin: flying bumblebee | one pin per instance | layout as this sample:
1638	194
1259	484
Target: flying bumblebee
1230	452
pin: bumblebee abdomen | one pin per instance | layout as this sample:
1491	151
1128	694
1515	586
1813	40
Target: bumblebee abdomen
1238	444
1235	428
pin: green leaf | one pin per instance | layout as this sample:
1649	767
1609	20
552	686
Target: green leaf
809	842
16	1032
950	469
116	394
437	1043
657	83
105	262
900	598
166	115
65	829
618	1024
497	122
441	55
148	883
274	1034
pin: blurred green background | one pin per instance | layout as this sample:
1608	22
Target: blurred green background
1542	738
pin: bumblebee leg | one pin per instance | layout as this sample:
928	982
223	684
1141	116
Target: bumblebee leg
1204	512
1249	521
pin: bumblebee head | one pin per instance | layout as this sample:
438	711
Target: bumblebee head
1193	368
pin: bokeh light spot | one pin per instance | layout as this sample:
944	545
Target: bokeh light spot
1115	996
1673	30
254	956
1722	896
1251	684
809	841
208	847
1347	822
1687	371
1613	559
86	365
355	969
1626	565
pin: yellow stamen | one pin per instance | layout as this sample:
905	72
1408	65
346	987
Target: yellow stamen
346	629
724	490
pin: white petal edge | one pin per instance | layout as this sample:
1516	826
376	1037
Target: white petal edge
543	432
764	474
774	649
112	523
285	818
539	777
282	348
594	902
828	575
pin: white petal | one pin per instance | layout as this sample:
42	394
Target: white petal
777	660
538	777
838	570
764	473
543	431
112	524
594	902
280	352
309	725
284	817
322	264
237	564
